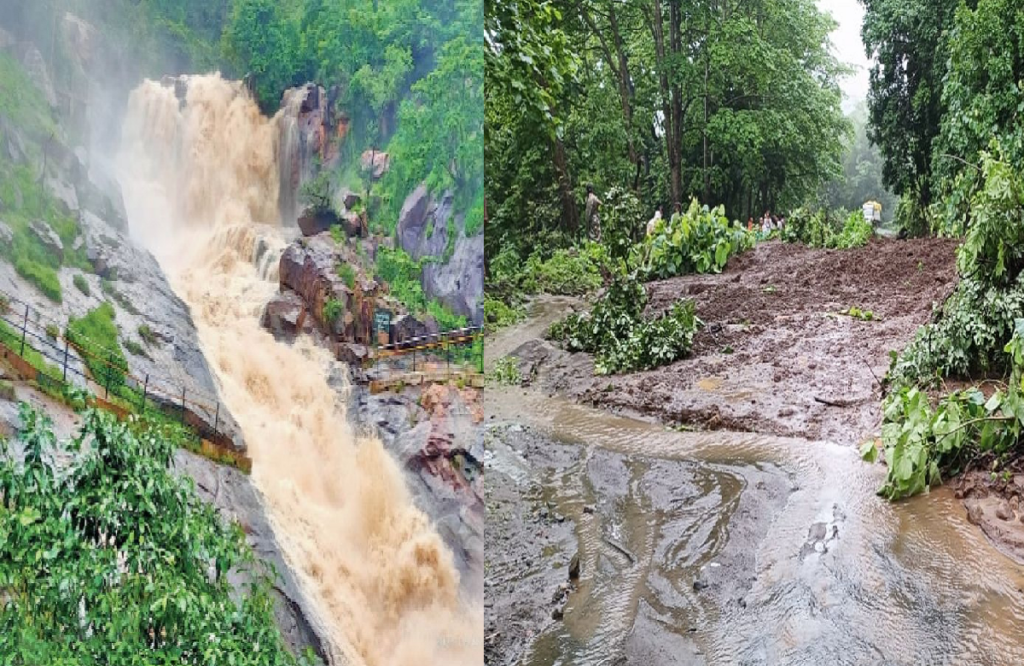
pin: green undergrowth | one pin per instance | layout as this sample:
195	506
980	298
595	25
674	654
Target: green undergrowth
978	332
506	371
402	275
115	560
106	361
701	240
621	338
835	229
922	443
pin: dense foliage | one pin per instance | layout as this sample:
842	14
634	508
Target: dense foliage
621	338
836	229
701	240
735	103
922	443
946	83
115	560
401	273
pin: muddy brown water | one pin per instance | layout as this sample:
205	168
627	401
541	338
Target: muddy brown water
724	548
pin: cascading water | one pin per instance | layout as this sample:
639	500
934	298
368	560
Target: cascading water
201	182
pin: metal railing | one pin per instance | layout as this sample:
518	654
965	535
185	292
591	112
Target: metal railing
448	353
66	359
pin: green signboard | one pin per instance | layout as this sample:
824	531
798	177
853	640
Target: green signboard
382	321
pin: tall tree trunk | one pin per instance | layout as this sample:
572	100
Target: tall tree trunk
667	103
570	216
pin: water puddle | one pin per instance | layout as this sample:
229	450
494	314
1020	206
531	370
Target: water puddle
741	548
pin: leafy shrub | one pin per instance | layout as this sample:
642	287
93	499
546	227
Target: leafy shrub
147	335
332	310
856	232
499	315
129	563
567	272
96	335
52	331
619	336
81	283
622	221
970	330
506	370
348	274
7	391
922	443
701	240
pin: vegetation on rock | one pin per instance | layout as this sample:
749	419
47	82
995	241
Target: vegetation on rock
115	559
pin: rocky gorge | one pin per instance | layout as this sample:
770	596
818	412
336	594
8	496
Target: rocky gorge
433	432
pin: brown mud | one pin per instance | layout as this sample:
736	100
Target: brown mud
759	540
775	355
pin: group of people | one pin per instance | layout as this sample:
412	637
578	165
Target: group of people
767	223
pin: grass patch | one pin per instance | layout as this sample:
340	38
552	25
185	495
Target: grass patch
348	274
111	292
135	348
147	335
81	284
96	334
332	310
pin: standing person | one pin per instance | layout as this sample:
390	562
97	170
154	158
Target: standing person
653	222
750	224
593	223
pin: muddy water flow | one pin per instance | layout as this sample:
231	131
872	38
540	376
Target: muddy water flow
721	547
201	183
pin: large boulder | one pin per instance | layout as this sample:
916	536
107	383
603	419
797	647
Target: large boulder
424	227
285	315
309	268
312	221
48	237
375	163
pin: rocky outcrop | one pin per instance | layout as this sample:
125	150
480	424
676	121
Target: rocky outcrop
309	268
428	227
312	221
285	315
375	163
308	136
48	238
436	435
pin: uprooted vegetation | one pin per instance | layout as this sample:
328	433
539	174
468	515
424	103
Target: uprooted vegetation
836	229
976	332
621	337
115	558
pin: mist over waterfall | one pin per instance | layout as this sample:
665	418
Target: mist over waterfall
202	173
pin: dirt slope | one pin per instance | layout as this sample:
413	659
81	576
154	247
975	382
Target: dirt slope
775	356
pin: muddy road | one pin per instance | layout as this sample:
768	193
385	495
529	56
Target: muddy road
737	544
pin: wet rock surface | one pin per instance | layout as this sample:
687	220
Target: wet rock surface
648	536
430	227
436	435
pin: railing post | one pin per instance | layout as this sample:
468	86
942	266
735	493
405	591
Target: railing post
145	390
182	404
66	343
448	356
24	331
109	375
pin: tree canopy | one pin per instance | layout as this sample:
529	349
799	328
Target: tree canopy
736	103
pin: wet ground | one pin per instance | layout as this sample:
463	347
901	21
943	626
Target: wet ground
723	548
759	540
775	356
